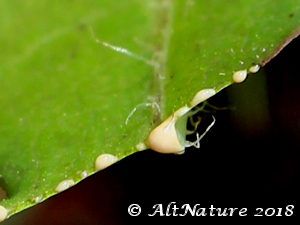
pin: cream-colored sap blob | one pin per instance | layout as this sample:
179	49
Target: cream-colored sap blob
141	146
64	185
38	199
105	160
3	213
239	76
84	174
254	69
164	138
201	96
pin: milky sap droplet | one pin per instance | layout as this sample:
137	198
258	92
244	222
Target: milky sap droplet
84	174
105	160
64	185
164	138
201	96
141	146
239	76
38	199
254	69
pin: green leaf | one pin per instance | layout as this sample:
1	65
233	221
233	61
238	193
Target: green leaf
72	72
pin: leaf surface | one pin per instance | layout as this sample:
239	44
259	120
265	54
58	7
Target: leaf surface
73	73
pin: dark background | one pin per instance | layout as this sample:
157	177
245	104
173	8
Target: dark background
249	159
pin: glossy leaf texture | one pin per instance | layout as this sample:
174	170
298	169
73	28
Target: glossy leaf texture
83	78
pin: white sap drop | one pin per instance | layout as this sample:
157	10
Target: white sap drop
3	213
38	199
254	69
141	146
105	160
84	174
239	76
181	111
64	185
201	96
164	138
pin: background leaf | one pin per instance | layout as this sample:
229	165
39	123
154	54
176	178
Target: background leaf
65	97
249	156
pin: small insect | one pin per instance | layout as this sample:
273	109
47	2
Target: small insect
64	185
239	76
166	138
105	160
3	213
199	137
